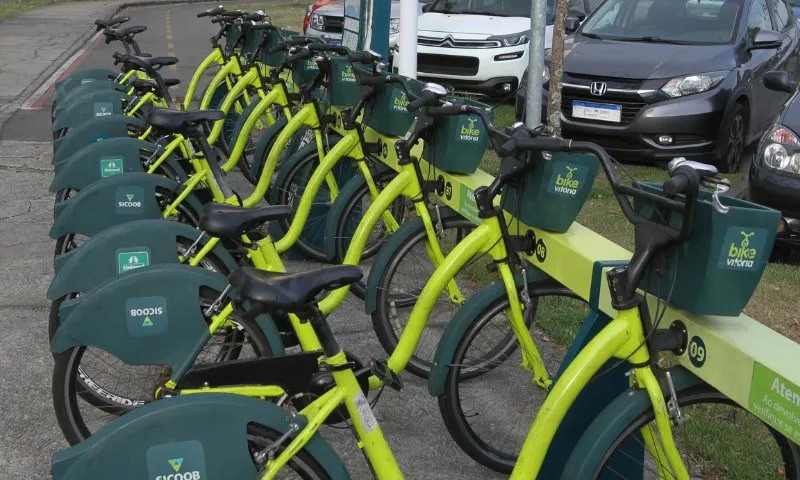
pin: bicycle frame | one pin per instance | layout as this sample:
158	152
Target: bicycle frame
215	56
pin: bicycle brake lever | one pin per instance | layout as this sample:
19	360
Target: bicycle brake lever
721	186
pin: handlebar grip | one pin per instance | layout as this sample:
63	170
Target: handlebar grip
682	180
362	57
298	56
325	47
423	100
545	144
446	111
263	26
217	20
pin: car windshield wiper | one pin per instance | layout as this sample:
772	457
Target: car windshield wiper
592	35
651	39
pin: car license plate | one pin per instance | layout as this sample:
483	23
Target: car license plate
597	111
335	42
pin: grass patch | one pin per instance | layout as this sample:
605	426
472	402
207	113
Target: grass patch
288	16
18	7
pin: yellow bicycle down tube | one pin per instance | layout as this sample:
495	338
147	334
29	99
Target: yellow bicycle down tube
623	338
276	96
241	84
306	116
230	68
348	145
214	57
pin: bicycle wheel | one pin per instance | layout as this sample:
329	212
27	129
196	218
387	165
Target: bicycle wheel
489	400
302	465
123	388
291	185
718	440
356	200
406	274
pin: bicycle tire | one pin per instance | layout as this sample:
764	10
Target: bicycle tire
346	216
302	464
459	423
290	186
385	304
709	398
67	371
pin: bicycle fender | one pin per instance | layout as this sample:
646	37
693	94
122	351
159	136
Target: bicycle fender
206	431
82	77
112	201
261	152
100	160
65	99
148	316
95	130
98	103
337	209
123	248
609	425
385	254
462	320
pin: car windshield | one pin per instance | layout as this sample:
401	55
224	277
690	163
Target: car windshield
665	21
498	8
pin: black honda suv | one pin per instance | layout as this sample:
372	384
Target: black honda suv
656	79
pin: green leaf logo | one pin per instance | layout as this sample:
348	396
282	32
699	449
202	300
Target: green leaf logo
130	196
176	463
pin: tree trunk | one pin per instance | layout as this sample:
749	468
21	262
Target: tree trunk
556	69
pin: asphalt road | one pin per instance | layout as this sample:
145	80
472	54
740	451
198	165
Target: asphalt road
30	435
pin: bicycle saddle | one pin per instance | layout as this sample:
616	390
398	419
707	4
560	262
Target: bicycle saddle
110	22
147	64
230	221
177	121
142	85
290	292
120	33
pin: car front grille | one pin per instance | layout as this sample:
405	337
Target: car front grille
450	42
630	106
447	64
332	24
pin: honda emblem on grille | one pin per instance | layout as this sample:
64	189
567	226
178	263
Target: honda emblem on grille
598	88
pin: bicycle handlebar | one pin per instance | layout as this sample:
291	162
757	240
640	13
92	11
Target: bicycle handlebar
211	12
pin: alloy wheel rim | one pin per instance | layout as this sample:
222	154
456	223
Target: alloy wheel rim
735	142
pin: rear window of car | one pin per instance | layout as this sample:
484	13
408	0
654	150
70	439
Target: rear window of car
680	21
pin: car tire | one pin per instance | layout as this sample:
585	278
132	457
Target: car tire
732	140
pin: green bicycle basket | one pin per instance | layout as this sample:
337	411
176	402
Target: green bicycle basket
343	87
552	192
719	267
387	110
274	37
457	144
304	71
233	34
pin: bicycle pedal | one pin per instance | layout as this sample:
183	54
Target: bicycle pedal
380	369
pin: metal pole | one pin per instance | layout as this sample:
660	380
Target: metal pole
533	105
409	16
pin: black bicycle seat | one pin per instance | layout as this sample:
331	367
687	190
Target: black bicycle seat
176	121
230	221
147	64
110	22
120	33
290	292
143	85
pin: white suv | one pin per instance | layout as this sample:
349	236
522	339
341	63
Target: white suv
479	46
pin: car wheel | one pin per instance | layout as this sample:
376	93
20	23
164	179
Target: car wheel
732	140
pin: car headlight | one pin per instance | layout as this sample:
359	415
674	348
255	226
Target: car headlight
691	84
394	25
782	150
546	74
512	40
317	22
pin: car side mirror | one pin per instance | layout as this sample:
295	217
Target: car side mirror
571	24
577	13
765	40
780	82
